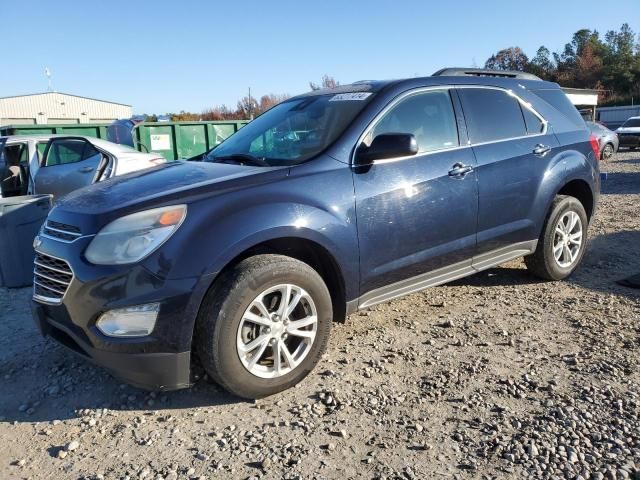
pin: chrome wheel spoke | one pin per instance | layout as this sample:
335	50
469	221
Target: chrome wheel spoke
285	293
288	357
573	220
262	308
305	322
277	357
557	251
257	319
248	347
576	238
566	254
302	333
258	354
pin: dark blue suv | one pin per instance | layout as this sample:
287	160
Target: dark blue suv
330	202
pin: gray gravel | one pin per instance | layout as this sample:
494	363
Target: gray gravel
494	376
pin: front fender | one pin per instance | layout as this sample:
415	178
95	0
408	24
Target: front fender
318	206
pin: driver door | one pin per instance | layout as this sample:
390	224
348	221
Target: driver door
69	164
416	216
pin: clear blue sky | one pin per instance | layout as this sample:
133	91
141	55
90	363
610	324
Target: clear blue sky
164	56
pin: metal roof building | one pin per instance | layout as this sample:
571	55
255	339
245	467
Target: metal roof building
54	107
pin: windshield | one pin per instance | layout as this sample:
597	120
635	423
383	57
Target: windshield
291	132
632	122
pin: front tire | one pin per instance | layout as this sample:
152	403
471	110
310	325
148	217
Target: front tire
607	151
563	240
264	325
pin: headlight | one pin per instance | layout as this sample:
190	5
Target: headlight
130	239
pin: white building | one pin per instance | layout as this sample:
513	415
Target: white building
54	107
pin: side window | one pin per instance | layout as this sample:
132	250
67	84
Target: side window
428	116
40	148
15	154
491	115
63	152
24	154
533	123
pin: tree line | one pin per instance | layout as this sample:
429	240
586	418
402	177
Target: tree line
610	64
246	108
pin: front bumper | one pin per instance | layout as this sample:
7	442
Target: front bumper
627	140
152	371
159	361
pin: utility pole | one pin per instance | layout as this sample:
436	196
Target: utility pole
250	106
47	72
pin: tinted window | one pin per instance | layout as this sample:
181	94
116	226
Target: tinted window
557	99
533	123
491	115
428	116
63	152
632	122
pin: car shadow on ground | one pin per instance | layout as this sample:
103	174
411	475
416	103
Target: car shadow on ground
621	183
43	395
609	258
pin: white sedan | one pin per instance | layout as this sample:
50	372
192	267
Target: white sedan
59	164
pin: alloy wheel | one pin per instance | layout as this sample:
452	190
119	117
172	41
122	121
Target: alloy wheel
567	240
277	331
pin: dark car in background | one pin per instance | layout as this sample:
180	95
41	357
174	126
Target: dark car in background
629	133
607	139
329	202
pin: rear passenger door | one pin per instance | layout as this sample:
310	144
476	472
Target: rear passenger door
68	164
513	149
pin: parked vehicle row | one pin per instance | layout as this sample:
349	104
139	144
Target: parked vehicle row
330	202
59	164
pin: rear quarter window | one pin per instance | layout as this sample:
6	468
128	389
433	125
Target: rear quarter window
558	100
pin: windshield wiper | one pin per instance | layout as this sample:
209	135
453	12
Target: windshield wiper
242	159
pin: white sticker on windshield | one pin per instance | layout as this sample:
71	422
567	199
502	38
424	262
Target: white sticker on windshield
341	97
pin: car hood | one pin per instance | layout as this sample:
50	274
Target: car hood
174	182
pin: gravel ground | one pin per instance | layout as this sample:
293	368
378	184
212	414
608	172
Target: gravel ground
494	376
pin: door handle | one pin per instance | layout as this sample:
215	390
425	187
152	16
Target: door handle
541	150
85	169
460	170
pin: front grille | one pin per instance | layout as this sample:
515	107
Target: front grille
51	278
61	231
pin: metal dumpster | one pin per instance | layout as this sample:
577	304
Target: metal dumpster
20	220
96	130
173	140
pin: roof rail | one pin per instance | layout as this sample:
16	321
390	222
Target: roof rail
483	72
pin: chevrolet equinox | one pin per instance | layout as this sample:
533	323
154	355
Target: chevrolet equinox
330	202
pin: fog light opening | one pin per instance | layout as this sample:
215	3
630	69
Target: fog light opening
138	321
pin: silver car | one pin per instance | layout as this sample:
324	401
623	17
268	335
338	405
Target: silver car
59	164
608	139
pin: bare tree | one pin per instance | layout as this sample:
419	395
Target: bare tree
327	82
512	58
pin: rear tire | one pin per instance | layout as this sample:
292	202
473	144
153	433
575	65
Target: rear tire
563	240
243	322
607	151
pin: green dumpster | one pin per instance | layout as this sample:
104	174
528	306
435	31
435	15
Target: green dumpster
173	140
96	130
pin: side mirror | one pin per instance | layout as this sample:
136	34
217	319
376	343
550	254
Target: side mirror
387	145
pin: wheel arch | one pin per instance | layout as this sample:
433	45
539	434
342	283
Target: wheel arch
308	251
581	190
